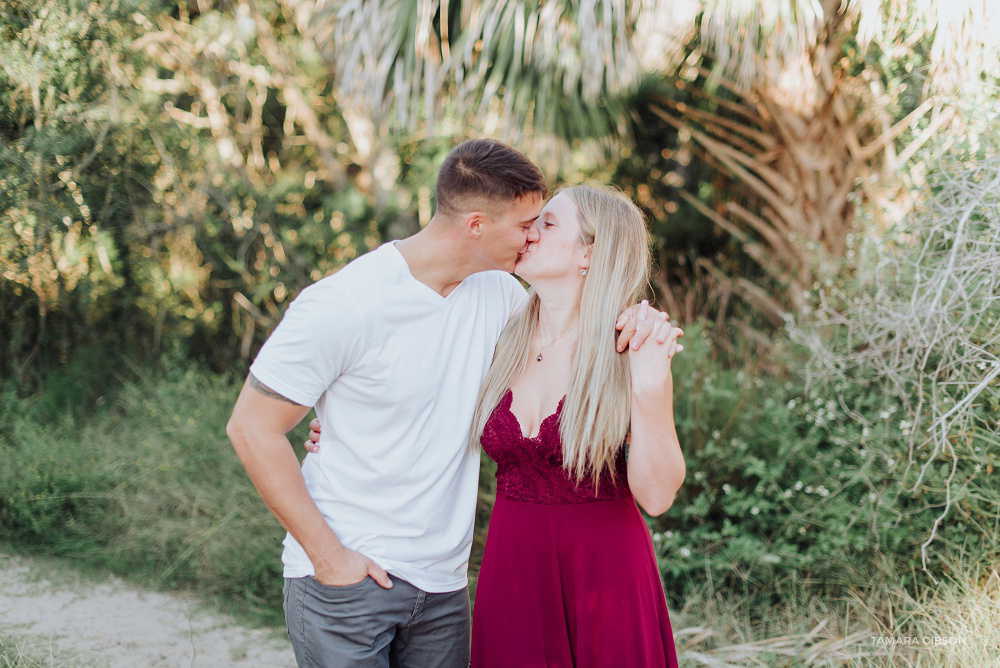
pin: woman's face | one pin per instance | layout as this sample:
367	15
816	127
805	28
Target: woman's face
559	251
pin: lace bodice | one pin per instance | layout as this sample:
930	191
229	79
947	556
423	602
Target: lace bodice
530	469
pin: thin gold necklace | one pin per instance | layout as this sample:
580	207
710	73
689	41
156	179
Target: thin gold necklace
539	358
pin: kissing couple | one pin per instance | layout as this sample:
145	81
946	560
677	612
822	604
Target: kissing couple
423	351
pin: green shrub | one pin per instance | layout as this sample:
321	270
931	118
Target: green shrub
786	481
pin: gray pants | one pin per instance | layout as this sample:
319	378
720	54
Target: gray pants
365	625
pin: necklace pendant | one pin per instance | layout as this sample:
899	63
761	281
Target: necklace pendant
539	358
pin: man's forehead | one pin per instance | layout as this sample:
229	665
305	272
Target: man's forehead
519	207
528	206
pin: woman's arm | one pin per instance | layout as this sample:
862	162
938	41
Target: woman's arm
656	466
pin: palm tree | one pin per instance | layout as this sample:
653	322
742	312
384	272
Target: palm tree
787	101
788	108
552	67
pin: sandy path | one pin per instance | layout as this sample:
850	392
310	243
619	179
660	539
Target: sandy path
62	620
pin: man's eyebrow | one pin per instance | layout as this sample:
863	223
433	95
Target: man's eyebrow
530	220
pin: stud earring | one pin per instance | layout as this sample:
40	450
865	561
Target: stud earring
583	272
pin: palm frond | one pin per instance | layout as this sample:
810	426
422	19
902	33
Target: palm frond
552	67
754	42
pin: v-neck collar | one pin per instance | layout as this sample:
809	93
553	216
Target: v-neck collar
431	294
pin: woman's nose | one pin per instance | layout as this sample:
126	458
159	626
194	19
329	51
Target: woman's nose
532	234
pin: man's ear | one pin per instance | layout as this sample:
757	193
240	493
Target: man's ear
474	223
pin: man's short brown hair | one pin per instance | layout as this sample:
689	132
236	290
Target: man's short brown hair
485	174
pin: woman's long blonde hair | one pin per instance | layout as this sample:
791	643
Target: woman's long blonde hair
596	413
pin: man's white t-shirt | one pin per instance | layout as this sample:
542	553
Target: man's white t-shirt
393	369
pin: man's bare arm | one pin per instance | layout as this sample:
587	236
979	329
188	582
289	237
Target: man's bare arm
267	391
257	429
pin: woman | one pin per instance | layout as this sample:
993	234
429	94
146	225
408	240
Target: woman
569	576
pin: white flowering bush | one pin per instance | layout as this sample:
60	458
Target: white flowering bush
788	481
919	319
880	439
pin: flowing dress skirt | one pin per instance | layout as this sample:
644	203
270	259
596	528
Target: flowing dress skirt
570	585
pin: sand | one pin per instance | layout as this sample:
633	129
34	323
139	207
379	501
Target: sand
57	618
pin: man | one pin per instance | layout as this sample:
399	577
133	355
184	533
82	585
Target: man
391	351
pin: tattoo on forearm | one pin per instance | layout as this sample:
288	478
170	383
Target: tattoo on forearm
268	392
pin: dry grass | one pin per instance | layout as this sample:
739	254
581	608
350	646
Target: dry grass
953	624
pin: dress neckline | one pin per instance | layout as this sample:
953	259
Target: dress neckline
508	401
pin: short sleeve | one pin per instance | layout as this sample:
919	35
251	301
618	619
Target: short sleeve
316	341
515	295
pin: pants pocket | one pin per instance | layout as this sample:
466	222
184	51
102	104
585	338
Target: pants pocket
333	589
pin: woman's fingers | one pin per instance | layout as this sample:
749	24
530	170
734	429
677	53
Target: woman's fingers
659	328
624	318
638	323
628	327
648	322
673	346
664	330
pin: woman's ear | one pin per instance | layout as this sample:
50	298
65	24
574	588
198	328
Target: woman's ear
585	257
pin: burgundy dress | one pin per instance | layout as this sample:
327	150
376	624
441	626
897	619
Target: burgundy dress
569	576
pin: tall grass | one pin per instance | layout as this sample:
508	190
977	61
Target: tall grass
12	657
146	486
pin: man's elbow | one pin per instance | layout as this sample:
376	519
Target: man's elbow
236	431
